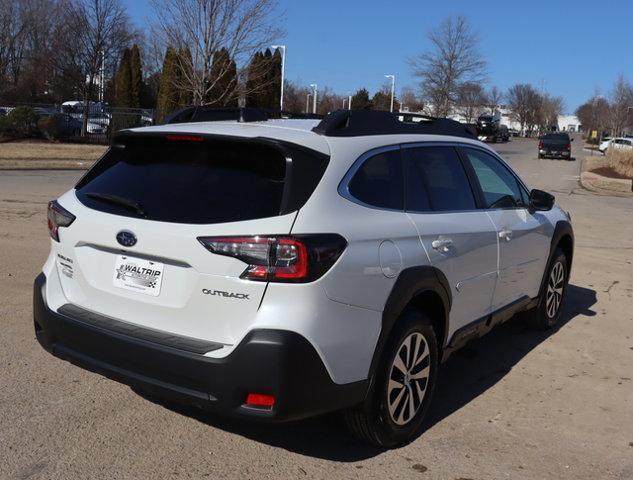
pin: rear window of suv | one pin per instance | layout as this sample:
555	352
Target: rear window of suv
200	182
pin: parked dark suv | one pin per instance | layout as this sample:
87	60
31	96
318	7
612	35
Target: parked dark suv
555	145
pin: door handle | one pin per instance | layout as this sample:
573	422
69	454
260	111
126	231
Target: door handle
506	234
442	243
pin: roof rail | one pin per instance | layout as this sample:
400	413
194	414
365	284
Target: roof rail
205	113
352	123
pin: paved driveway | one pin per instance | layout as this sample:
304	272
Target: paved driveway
516	404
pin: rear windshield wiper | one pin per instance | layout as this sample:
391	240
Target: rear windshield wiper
120	201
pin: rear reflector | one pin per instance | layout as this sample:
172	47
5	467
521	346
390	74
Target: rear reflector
260	400
298	259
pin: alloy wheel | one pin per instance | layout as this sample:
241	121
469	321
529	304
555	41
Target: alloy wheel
555	286
408	379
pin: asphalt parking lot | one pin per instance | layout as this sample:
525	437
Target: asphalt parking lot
516	404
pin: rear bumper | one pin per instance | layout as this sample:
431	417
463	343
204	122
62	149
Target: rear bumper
273	362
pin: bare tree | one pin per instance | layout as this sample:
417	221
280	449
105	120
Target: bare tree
410	101
92	30
495	97
621	105
471	101
13	29
453	60
549	110
203	27
525	102
295	97
594	114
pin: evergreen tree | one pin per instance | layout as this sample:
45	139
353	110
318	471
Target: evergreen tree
254	80
224	78
136	77
382	101
167	94
361	101
122	81
274	84
183	64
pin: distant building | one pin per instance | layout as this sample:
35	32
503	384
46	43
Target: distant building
566	123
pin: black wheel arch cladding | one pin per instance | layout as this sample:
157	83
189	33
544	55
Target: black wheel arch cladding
411	283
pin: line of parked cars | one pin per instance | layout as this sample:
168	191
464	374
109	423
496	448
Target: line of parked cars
68	117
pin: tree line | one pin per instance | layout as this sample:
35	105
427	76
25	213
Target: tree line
611	114
57	50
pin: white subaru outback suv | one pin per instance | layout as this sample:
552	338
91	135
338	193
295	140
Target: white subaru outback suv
286	268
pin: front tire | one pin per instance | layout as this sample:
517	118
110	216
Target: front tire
548	312
403	387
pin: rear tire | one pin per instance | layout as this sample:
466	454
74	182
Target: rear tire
548	311
403	387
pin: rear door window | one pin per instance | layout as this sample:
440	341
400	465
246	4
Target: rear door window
436	180
196	182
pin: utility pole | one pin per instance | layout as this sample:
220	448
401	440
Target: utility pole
283	70
314	97
102	77
393	89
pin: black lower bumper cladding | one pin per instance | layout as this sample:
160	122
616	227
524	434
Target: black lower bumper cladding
273	362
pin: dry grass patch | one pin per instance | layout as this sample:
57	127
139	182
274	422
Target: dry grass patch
50	151
621	162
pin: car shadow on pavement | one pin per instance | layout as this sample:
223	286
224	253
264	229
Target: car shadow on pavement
485	361
465	376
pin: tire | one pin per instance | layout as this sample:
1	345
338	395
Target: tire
548	311
395	414
540	156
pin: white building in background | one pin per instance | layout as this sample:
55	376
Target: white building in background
569	123
566	123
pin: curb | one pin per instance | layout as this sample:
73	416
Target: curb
599	184
45	164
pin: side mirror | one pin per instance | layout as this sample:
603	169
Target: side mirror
541	201
571	139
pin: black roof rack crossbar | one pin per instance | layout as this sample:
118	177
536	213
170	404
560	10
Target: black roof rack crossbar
206	113
352	123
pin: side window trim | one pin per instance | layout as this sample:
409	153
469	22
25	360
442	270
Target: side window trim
343	186
520	185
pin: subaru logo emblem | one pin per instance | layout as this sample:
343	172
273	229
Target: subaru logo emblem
126	238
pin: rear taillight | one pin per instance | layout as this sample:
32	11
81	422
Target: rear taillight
568	147
298	259
540	145
58	217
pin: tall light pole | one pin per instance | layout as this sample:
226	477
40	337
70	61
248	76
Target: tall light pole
308	102
314	97
349	102
393	89
283	71
344	100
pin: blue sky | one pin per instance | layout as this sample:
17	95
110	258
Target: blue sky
570	48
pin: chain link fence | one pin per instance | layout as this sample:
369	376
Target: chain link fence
68	122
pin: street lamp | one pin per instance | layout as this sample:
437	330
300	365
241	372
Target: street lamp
393	89
314	97
283	70
344	100
349	102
